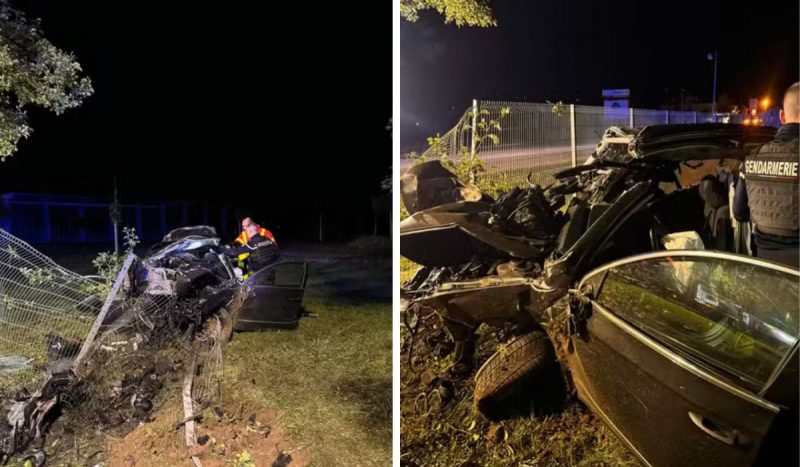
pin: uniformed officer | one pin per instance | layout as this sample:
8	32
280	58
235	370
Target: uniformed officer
767	191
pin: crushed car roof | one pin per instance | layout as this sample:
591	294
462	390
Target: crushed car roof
681	142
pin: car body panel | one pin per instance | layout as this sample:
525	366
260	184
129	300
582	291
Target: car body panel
636	383
273	297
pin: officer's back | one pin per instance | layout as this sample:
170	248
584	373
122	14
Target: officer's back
767	192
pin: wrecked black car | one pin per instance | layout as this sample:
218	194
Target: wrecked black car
183	265
629	274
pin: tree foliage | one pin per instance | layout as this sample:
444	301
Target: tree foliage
32	72
475	13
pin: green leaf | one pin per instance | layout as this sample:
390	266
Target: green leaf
495	139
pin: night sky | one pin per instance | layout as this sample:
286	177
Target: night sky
569	51
217	102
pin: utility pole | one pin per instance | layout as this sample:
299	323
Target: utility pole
714	89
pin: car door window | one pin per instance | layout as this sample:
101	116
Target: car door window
281	275
738	317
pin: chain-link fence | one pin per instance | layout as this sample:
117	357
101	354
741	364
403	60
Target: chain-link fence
515	139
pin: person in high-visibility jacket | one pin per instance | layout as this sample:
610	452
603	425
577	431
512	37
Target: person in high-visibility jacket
261	250
243	238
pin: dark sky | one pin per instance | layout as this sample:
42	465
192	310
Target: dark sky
568	50
217	101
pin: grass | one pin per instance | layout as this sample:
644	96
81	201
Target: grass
374	246
407	269
332	379
23	332
329	382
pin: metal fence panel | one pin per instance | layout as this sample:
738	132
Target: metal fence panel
534	138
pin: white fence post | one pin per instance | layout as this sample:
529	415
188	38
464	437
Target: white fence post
630	117
573	139
87	343
474	127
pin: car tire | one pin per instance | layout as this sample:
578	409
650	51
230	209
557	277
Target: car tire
511	368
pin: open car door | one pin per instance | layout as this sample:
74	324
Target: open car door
274	297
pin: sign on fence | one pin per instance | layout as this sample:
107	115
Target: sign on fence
615	103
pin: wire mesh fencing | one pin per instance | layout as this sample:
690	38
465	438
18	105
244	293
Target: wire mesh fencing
517	140
46	312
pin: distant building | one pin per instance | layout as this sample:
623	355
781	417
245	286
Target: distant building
50	218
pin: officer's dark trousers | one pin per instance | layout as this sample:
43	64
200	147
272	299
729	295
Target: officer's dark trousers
788	256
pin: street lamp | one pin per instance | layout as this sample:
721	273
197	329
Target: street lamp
765	103
714	89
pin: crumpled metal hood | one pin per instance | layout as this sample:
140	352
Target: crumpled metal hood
682	142
182	259
190	231
430	184
185	243
451	234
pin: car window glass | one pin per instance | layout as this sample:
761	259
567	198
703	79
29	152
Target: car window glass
281	275
738	317
265	277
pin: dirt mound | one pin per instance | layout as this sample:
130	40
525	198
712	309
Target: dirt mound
228	438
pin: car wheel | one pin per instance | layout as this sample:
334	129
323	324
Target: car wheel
511	368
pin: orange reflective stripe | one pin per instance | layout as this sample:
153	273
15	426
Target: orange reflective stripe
267	234
242	238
